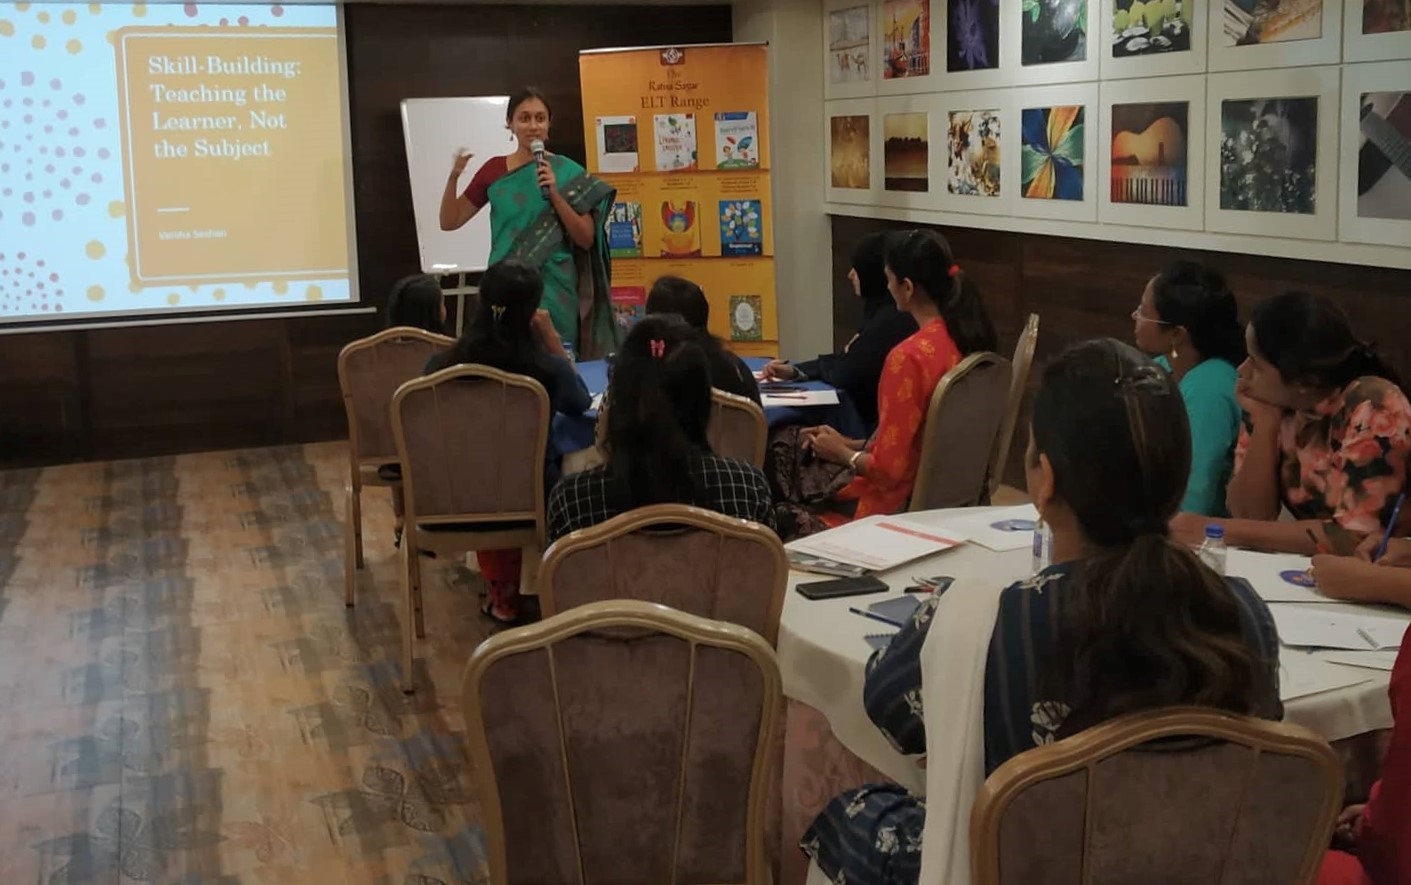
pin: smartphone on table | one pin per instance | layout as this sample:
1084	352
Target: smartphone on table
838	588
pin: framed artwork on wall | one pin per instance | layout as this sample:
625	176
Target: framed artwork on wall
1150	38
1272	143
854	143
1376	30
907	55
1058	170
1375	174
1150	155
975	56
977	136
908	154
1051	41
1244	35
849	49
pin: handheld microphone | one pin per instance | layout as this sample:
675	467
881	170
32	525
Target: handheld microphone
536	147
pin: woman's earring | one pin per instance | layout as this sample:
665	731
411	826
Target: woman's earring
1173	352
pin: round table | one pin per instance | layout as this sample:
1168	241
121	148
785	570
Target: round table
823	652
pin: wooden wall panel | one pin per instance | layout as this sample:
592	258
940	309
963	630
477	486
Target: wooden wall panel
1085	289
138	391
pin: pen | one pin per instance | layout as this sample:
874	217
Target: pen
784	395
1391	527
1317	545
874	616
1367	638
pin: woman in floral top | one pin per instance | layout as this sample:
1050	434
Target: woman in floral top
1326	434
1126	620
926	282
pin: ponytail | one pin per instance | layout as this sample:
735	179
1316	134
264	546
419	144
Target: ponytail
1149	625
925	258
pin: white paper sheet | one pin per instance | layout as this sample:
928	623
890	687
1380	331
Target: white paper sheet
799	398
1010	528
1370	660
879	542
1317	627
1276	577
1301	674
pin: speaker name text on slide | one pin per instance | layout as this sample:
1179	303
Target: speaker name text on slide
219	162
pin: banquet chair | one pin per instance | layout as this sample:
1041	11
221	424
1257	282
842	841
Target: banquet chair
1018	384
962	423
369	371
623	742
1181	794
737	428
689	558
471	441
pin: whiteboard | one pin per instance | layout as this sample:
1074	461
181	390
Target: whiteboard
435	129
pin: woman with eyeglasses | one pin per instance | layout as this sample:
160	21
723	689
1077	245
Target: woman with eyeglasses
1189	321
1125	620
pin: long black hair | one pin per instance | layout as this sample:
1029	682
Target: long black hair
1189	294
678	295
659	408
925	258
1310	341
869	261
500	334
416	301
523	94
1146	623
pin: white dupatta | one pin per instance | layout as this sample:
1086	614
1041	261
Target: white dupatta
953	700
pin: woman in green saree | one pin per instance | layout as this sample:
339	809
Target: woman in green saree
560	234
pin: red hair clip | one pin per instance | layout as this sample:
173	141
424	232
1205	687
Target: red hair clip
658	348
954	270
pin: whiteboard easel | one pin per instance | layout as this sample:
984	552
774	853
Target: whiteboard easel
434	130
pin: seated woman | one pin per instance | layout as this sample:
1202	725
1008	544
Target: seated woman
1125	620
1327	434
657	451
510	333
417	301
1377	836
685	299
877	475
858	368
1189	321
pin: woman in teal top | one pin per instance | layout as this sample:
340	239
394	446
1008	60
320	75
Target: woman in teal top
1189	321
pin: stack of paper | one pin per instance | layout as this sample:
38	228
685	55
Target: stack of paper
796	398
1301	674
1320	627
997	529
878	542
1371	660
1276	577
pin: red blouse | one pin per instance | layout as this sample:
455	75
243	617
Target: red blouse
478	191
909	377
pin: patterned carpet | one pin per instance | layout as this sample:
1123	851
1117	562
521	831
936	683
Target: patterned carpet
186	699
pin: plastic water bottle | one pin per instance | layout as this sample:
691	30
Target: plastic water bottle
1043	546
568	350
1212	549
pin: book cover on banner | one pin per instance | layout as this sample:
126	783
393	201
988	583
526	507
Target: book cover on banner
617	144
741	227
746	318
624	229
629	304
675	142
737	140
682	238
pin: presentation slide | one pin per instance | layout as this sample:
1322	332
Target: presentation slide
169	158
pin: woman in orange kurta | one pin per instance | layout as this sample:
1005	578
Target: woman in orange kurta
926	282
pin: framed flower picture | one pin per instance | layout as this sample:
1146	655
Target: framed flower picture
1149	38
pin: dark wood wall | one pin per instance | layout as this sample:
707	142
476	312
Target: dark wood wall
1086	289
126	392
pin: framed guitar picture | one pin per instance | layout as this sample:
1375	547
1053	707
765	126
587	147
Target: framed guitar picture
1376	145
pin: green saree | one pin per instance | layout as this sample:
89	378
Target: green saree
523	225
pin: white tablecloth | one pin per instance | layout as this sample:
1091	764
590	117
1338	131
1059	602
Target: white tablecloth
823	652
